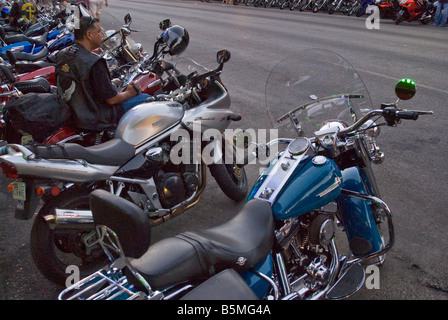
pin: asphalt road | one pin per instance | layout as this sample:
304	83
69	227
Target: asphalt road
412	179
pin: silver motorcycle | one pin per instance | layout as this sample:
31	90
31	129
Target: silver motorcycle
149	162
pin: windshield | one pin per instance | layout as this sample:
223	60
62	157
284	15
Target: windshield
187	66
311	87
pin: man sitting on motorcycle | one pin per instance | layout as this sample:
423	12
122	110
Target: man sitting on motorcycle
84	82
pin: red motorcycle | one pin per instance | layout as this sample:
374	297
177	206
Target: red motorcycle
415	10
388	9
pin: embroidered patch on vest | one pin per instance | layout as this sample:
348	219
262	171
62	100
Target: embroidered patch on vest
65	68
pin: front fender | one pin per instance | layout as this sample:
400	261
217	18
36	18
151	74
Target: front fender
357	215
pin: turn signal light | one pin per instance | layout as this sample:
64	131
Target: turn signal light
40	191
43	190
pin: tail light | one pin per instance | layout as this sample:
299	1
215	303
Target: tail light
9	171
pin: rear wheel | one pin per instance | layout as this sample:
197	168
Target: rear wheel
55	250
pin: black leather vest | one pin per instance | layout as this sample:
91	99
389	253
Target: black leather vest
73	71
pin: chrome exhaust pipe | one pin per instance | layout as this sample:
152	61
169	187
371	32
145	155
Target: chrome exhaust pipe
68	219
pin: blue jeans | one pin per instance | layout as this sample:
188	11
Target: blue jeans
136	100
440	18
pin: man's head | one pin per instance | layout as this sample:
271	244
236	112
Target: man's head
89	33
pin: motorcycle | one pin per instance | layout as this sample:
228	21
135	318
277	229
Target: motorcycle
320	4
338	6
359	7
287	241
415	10
388	8
143	163
305	5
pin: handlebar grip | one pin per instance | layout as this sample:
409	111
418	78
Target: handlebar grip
136	88
408	115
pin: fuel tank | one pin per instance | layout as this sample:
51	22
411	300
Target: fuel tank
149	82
314	182
313	185
145	121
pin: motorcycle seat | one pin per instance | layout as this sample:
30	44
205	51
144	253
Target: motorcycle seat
39	85
28	66
240	244
23	38
114	152
28	56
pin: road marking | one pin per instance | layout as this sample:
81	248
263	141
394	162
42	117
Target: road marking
395	78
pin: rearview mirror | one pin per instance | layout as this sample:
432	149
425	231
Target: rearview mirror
127	19
223	56
165	24
405	89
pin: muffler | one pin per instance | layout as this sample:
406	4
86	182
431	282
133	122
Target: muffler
68	219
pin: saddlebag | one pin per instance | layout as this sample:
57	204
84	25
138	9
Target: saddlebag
226	285
37	114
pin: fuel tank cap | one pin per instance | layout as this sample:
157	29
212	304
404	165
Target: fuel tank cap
319	160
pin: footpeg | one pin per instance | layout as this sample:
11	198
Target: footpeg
350	282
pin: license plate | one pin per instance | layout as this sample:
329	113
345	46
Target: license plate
26	139
19	190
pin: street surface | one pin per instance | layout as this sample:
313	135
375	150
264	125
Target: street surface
412	179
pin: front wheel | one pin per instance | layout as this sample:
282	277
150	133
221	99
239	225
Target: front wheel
53	251
400	17
231	179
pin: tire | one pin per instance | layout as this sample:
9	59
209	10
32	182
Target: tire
249	2
236	2
48	245
294	5
400	17
303	5
360	12
284	4
231	179
331	8
353	10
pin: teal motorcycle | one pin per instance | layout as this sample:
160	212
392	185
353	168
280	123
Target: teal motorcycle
313	221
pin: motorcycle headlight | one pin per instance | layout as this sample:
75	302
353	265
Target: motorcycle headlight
137	49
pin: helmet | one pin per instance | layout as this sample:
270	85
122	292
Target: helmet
177	39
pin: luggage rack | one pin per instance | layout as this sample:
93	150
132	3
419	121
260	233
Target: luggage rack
102	285
109	283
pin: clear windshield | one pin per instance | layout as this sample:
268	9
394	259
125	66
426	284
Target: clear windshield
112	40
306	90
187	66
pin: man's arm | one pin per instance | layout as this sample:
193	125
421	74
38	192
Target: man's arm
122	96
